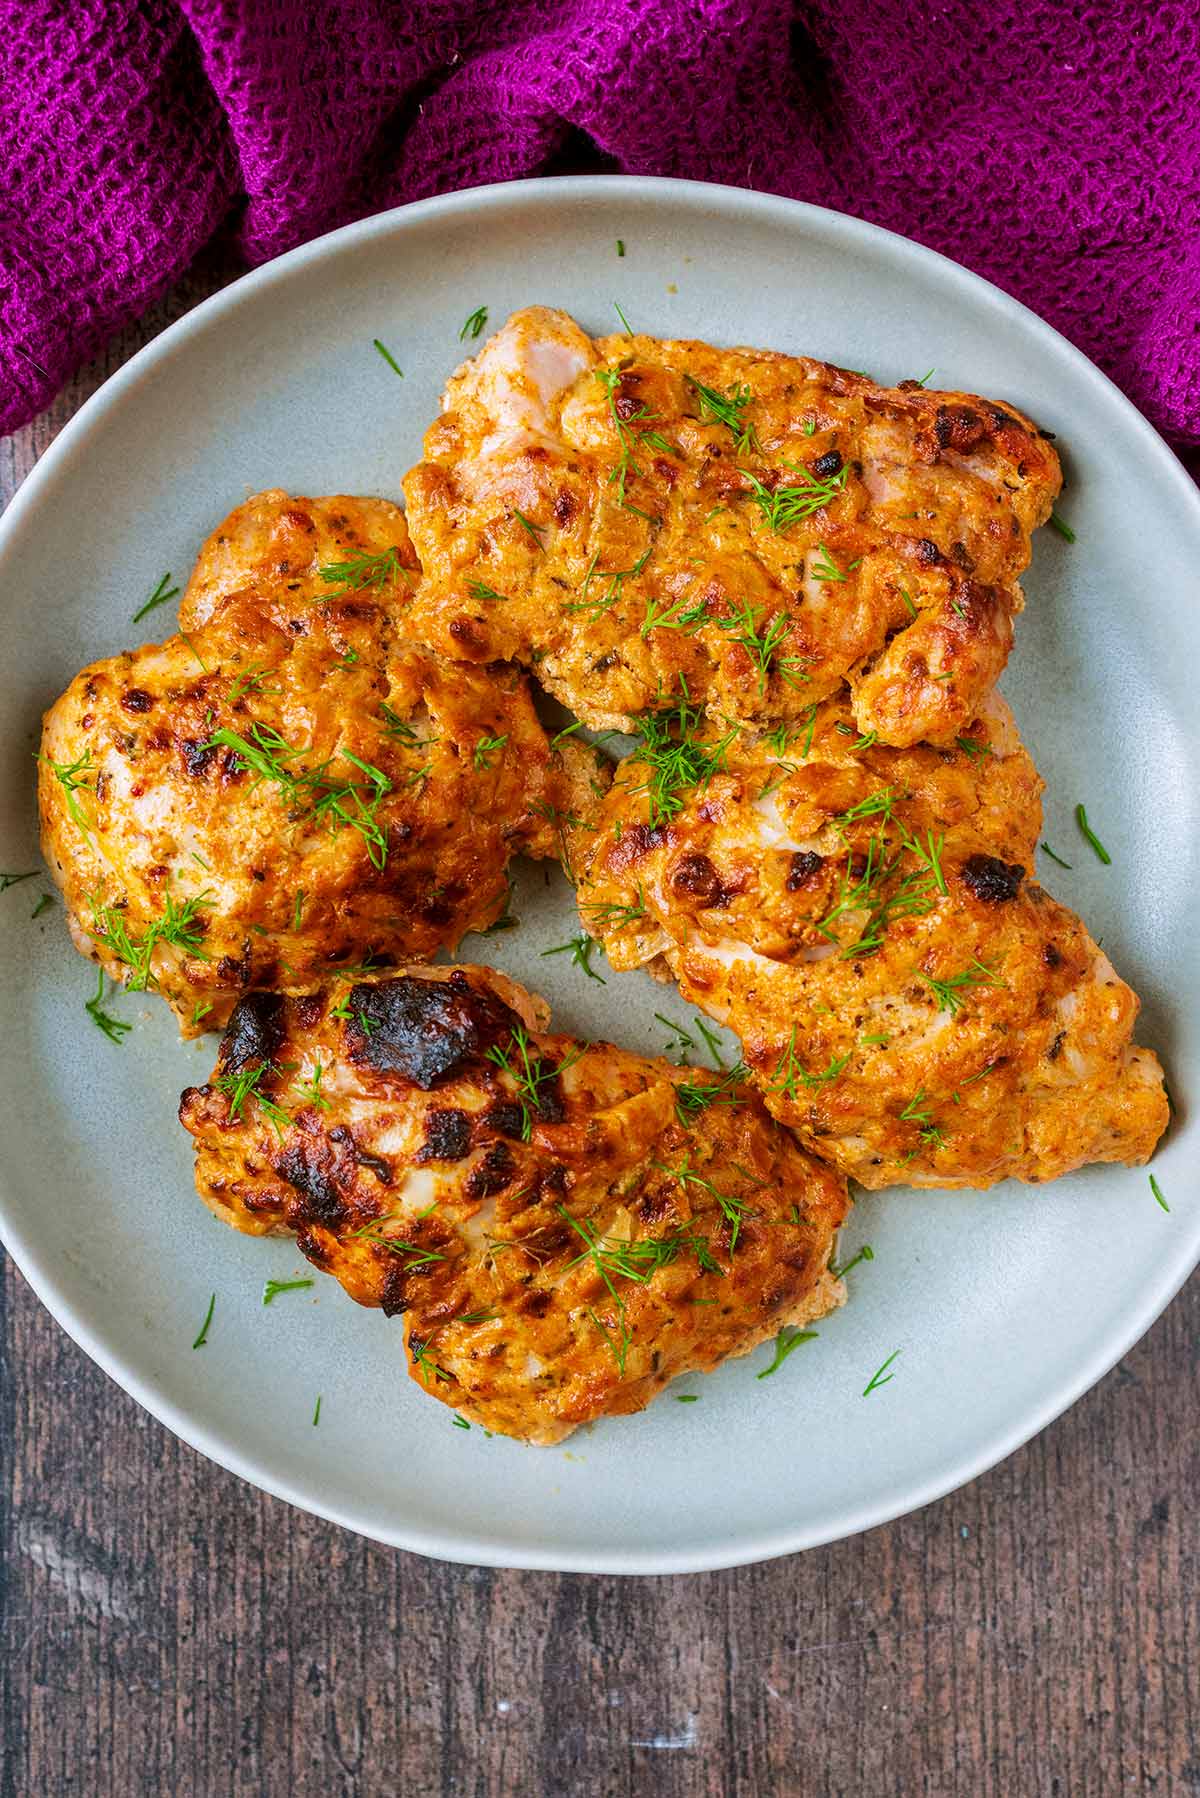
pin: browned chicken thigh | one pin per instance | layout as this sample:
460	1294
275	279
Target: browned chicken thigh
631	516
564	1227
291	784
908	997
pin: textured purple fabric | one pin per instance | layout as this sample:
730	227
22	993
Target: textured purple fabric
1055	148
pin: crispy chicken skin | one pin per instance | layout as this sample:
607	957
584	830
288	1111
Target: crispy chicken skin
291	785
909	1000
629	514
560	1244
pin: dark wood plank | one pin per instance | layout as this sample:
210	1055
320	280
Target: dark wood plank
165	1629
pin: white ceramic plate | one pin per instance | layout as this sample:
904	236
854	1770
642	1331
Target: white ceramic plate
1004	1307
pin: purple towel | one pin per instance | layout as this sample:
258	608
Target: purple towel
1055	148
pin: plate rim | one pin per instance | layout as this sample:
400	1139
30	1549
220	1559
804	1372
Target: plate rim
457	1546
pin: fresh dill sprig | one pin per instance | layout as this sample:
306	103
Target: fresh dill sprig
949	992
481	590
825	568
529	1073
973	748
1081	818
361	571
734	1209
160	596
881	1376
251	681
69	776
790	1075
273	1288
866	1253
790	503
310	1092
388	357
580	949
693	1097
43	904
245	1083
685	615
626	463
474	325
616	578
202	1338
178	926
14	880
625	324
726	409
113	1028
414	1255
762	642
917	1112
486	750
677	758
1056	858
531	530
787	1340
611	915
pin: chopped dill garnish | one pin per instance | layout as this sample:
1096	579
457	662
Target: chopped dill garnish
179	926
726	409
251	682
529	1072
360	571
928	375
481	590
113	1028
474	324
273	1288
616	578
686	1398
789	1073
245	1083
14	880
317	1411
825	568
734	1210
373	1232
1081	819
627	327
786	505
949	991
620	246
866	1253
69	776
201	1009
917	1112
1056	858
580	949
973	749
161	594
684	615
43	904
1062	527
202	1338
676	757
531	530
611	915
761	643
1154	1188
787	1340
310	1092
391	362
486	751
692	1097
460	1423
881	1376
907	597
627	439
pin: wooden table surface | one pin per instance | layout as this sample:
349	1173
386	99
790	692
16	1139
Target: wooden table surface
165	1629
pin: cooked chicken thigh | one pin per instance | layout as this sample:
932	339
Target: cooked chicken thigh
291	784
635	516
565	1227
908	998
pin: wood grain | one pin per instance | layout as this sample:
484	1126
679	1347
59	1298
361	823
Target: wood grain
165	1629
